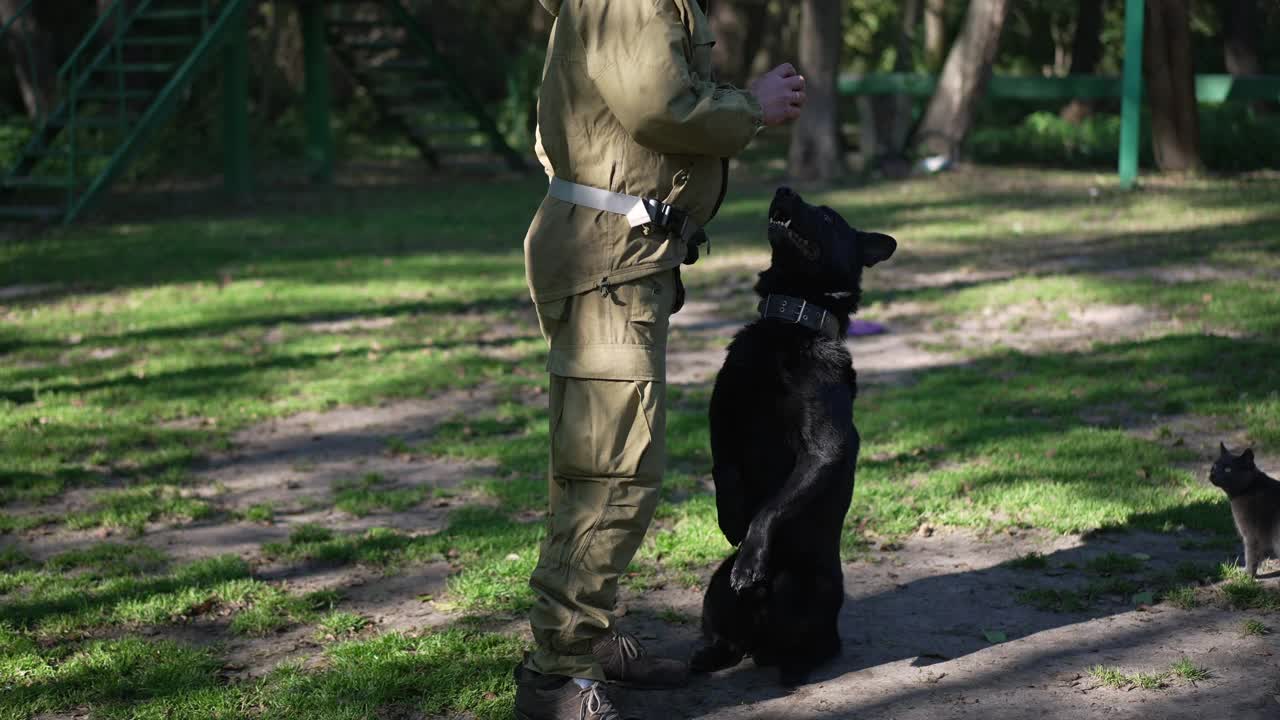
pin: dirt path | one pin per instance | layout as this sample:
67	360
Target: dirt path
915	617
914	624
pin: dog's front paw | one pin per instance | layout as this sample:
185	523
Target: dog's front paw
748	571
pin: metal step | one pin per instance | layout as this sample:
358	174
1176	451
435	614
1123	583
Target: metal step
136	67
161	40
38	181
373	46
192	14
96	122
409	91
45	212
114	95
356	24
402	66
65	152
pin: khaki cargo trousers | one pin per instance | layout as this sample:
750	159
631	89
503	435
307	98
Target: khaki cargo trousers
608	452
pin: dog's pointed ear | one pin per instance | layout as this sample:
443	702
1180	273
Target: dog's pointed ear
1247	455
1222	448
876	247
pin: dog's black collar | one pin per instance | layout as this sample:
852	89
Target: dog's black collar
800	312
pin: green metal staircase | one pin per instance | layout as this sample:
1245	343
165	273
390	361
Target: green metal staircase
413	86
138	62
118	87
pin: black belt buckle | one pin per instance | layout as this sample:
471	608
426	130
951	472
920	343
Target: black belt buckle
666	217
674	220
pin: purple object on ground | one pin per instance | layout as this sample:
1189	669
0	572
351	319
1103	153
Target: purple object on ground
860	328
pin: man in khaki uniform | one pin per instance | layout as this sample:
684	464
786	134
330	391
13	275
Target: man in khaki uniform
628	111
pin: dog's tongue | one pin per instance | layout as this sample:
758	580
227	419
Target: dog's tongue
861	328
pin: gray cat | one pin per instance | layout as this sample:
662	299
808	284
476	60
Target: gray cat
1255	504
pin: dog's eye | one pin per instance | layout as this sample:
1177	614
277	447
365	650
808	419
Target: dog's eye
827	218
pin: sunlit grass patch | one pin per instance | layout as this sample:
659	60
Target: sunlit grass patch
132	508
1245	593
1189	671
118	678
368	494
1113	677
338	625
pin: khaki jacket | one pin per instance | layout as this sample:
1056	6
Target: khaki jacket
628	104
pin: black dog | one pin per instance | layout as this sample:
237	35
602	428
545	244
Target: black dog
784	448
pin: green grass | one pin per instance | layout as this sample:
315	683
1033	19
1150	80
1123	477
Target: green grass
133	508
447	672
1189	671
1183	597
366	495
1113	677
1245	593
338	624
189	330
1030	561
1254	627
493	554
1113	564
261	513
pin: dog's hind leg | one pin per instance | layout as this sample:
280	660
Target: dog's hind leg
725	624
803	630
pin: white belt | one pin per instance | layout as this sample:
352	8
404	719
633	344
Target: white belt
617	203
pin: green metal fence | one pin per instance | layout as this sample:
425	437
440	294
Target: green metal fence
1128	88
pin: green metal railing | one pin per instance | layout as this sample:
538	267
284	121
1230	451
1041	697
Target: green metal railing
1209	88
95	94
111	99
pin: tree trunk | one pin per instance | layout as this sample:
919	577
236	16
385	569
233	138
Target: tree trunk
739	28
1086	51
935	33
1241	21
951	110
31	48
1171	87
885	121
816	150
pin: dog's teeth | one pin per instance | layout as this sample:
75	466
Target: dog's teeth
786	223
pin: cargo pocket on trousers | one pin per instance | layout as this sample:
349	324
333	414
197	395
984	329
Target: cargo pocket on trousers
648	307
603	431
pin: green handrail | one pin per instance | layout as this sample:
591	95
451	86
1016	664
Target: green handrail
229	12
1209	88
116	8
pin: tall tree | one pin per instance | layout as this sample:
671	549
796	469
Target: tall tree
1171	86
951	110
816	150
885	121
31	48
935	33
1241	24
1241	21
1086	51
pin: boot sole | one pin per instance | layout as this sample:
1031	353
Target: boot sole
638	686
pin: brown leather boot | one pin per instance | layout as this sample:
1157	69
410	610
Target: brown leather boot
625	662
555	697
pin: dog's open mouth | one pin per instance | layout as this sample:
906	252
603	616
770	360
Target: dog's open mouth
779	222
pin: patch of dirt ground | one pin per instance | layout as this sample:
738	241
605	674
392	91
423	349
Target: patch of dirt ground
914	626
917	616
